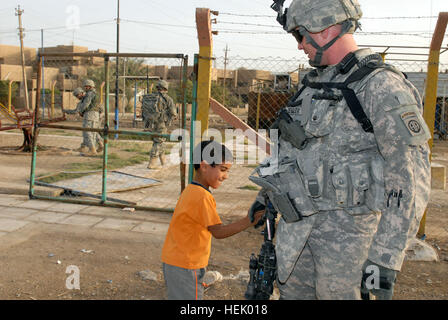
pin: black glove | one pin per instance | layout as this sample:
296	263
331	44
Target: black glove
256	206
378	280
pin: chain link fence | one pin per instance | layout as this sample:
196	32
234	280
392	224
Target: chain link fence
117	174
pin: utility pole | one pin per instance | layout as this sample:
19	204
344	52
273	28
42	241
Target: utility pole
22	53
116	68
225	75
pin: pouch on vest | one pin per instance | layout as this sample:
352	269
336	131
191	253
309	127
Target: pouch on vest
286	192
312	170
359	174
321	117
342	185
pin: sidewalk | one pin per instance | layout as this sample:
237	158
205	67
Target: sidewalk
18	211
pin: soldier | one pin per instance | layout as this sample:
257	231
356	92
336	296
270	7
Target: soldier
79	93
158	111
351	175
90	110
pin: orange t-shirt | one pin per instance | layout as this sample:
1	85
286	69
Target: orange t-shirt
188	241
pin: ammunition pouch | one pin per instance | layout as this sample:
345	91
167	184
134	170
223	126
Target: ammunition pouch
286	192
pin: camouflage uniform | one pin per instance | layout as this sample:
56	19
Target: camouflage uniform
361	194
158	111
90	112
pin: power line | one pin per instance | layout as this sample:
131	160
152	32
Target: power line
369	18
63	27
246	15
159	24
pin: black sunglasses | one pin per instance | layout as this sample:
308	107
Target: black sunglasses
297	35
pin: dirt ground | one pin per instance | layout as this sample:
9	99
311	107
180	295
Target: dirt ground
28	259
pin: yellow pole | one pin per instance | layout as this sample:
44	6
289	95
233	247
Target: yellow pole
102	92
258	108
52	98
203	24
429	112
9	95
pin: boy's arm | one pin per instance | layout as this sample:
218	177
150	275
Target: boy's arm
220	231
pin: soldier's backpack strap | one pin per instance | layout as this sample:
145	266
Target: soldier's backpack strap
367	66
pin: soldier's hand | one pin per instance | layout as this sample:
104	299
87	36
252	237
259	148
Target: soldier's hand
378	280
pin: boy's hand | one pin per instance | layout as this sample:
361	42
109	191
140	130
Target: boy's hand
257	216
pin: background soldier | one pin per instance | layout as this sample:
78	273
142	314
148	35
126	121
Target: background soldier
352	176
79	93
90	110
158	111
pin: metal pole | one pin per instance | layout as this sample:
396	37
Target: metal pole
183	123
134	123
116	68
43	72
22	54
225	75
106	129
35	131
193	116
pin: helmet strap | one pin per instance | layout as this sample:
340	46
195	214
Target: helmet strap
346	26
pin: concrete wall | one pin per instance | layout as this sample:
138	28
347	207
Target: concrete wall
11	55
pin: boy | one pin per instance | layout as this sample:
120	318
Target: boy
187	245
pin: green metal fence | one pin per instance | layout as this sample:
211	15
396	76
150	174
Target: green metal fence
125	145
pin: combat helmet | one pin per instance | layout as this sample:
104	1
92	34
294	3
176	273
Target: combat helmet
88	82
77	91
162	84
311	16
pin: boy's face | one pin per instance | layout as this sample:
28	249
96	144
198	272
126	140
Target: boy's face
214	176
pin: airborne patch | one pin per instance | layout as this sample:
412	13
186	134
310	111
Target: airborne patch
412	123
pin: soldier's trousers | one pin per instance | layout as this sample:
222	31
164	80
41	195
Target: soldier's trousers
158	147
330	265
90	139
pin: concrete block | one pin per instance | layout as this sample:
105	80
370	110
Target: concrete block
17	213
66	207
35	204
9	225
438	176
80	220
48	217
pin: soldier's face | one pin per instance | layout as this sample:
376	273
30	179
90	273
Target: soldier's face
320	38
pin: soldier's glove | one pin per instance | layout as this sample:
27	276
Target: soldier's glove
256	206
378	280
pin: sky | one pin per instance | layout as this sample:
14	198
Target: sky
248	27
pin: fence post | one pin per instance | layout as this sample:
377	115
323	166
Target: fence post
106	130
431	88
193	117
36	129
184	122
203	23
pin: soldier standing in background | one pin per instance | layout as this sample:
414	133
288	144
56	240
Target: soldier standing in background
90	109
158	111
79	93
351	175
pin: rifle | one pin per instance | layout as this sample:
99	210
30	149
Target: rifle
263	270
